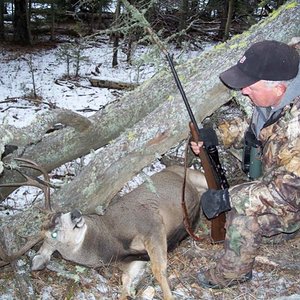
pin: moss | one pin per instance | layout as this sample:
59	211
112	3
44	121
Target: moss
220	46
241	44
291	5
170	98
131	136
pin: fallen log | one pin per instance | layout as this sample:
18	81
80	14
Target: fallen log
109	84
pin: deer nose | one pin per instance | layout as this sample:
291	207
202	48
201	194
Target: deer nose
75	214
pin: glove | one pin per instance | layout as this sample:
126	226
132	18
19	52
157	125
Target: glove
208	136
214	202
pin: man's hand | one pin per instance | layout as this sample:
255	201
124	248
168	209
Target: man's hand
209	138
196	147
214	202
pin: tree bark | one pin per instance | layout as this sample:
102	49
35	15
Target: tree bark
2	35
228	21
116	35
24	286
134	131
21	24
183	13
109	84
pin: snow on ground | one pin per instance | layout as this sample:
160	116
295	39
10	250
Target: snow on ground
49	72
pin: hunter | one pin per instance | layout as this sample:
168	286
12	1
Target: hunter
269	204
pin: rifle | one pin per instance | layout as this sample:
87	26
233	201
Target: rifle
214	173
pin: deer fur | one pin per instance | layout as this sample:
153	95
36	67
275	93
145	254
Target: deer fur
143	225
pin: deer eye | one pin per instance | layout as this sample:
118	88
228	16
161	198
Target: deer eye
54	234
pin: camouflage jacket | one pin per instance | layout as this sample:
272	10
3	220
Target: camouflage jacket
277	192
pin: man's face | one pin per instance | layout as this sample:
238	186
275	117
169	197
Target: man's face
263	95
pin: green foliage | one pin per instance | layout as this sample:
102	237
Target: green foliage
71	55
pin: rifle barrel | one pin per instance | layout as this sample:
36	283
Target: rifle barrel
182	92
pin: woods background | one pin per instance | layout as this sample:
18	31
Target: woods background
145	123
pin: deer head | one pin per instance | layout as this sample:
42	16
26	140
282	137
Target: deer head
64	233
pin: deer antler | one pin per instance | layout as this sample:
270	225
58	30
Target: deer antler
42	184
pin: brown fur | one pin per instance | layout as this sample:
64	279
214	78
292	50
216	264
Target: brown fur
143	225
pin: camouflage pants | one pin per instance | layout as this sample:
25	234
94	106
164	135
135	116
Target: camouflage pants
243	237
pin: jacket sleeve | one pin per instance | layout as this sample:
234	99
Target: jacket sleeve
277	194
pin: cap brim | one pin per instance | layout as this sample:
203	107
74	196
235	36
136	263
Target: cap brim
236	79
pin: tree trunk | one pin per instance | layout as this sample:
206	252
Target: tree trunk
109	84
224	13
116	35
136	130
22	32
52	36
229	18
184	11
2	35
100	9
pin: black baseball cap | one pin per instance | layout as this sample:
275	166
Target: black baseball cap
266	60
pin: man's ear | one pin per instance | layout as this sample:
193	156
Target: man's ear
280	89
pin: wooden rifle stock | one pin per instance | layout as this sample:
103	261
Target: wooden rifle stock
218	223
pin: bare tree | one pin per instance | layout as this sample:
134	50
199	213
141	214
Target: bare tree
184	11
21	22
229	18
2	7
115	35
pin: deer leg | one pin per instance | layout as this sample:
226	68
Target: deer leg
41	259
130	272
156	247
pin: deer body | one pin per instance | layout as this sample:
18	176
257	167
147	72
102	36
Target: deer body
143	225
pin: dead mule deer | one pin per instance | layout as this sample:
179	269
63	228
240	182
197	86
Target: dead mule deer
143	225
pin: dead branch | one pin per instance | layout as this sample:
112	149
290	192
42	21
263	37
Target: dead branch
109	84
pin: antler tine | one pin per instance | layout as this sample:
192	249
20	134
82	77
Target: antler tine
33	240
33	165
43	185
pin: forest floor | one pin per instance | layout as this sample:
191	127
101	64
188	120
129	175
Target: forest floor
275	276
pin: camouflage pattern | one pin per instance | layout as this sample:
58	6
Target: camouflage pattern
265	207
